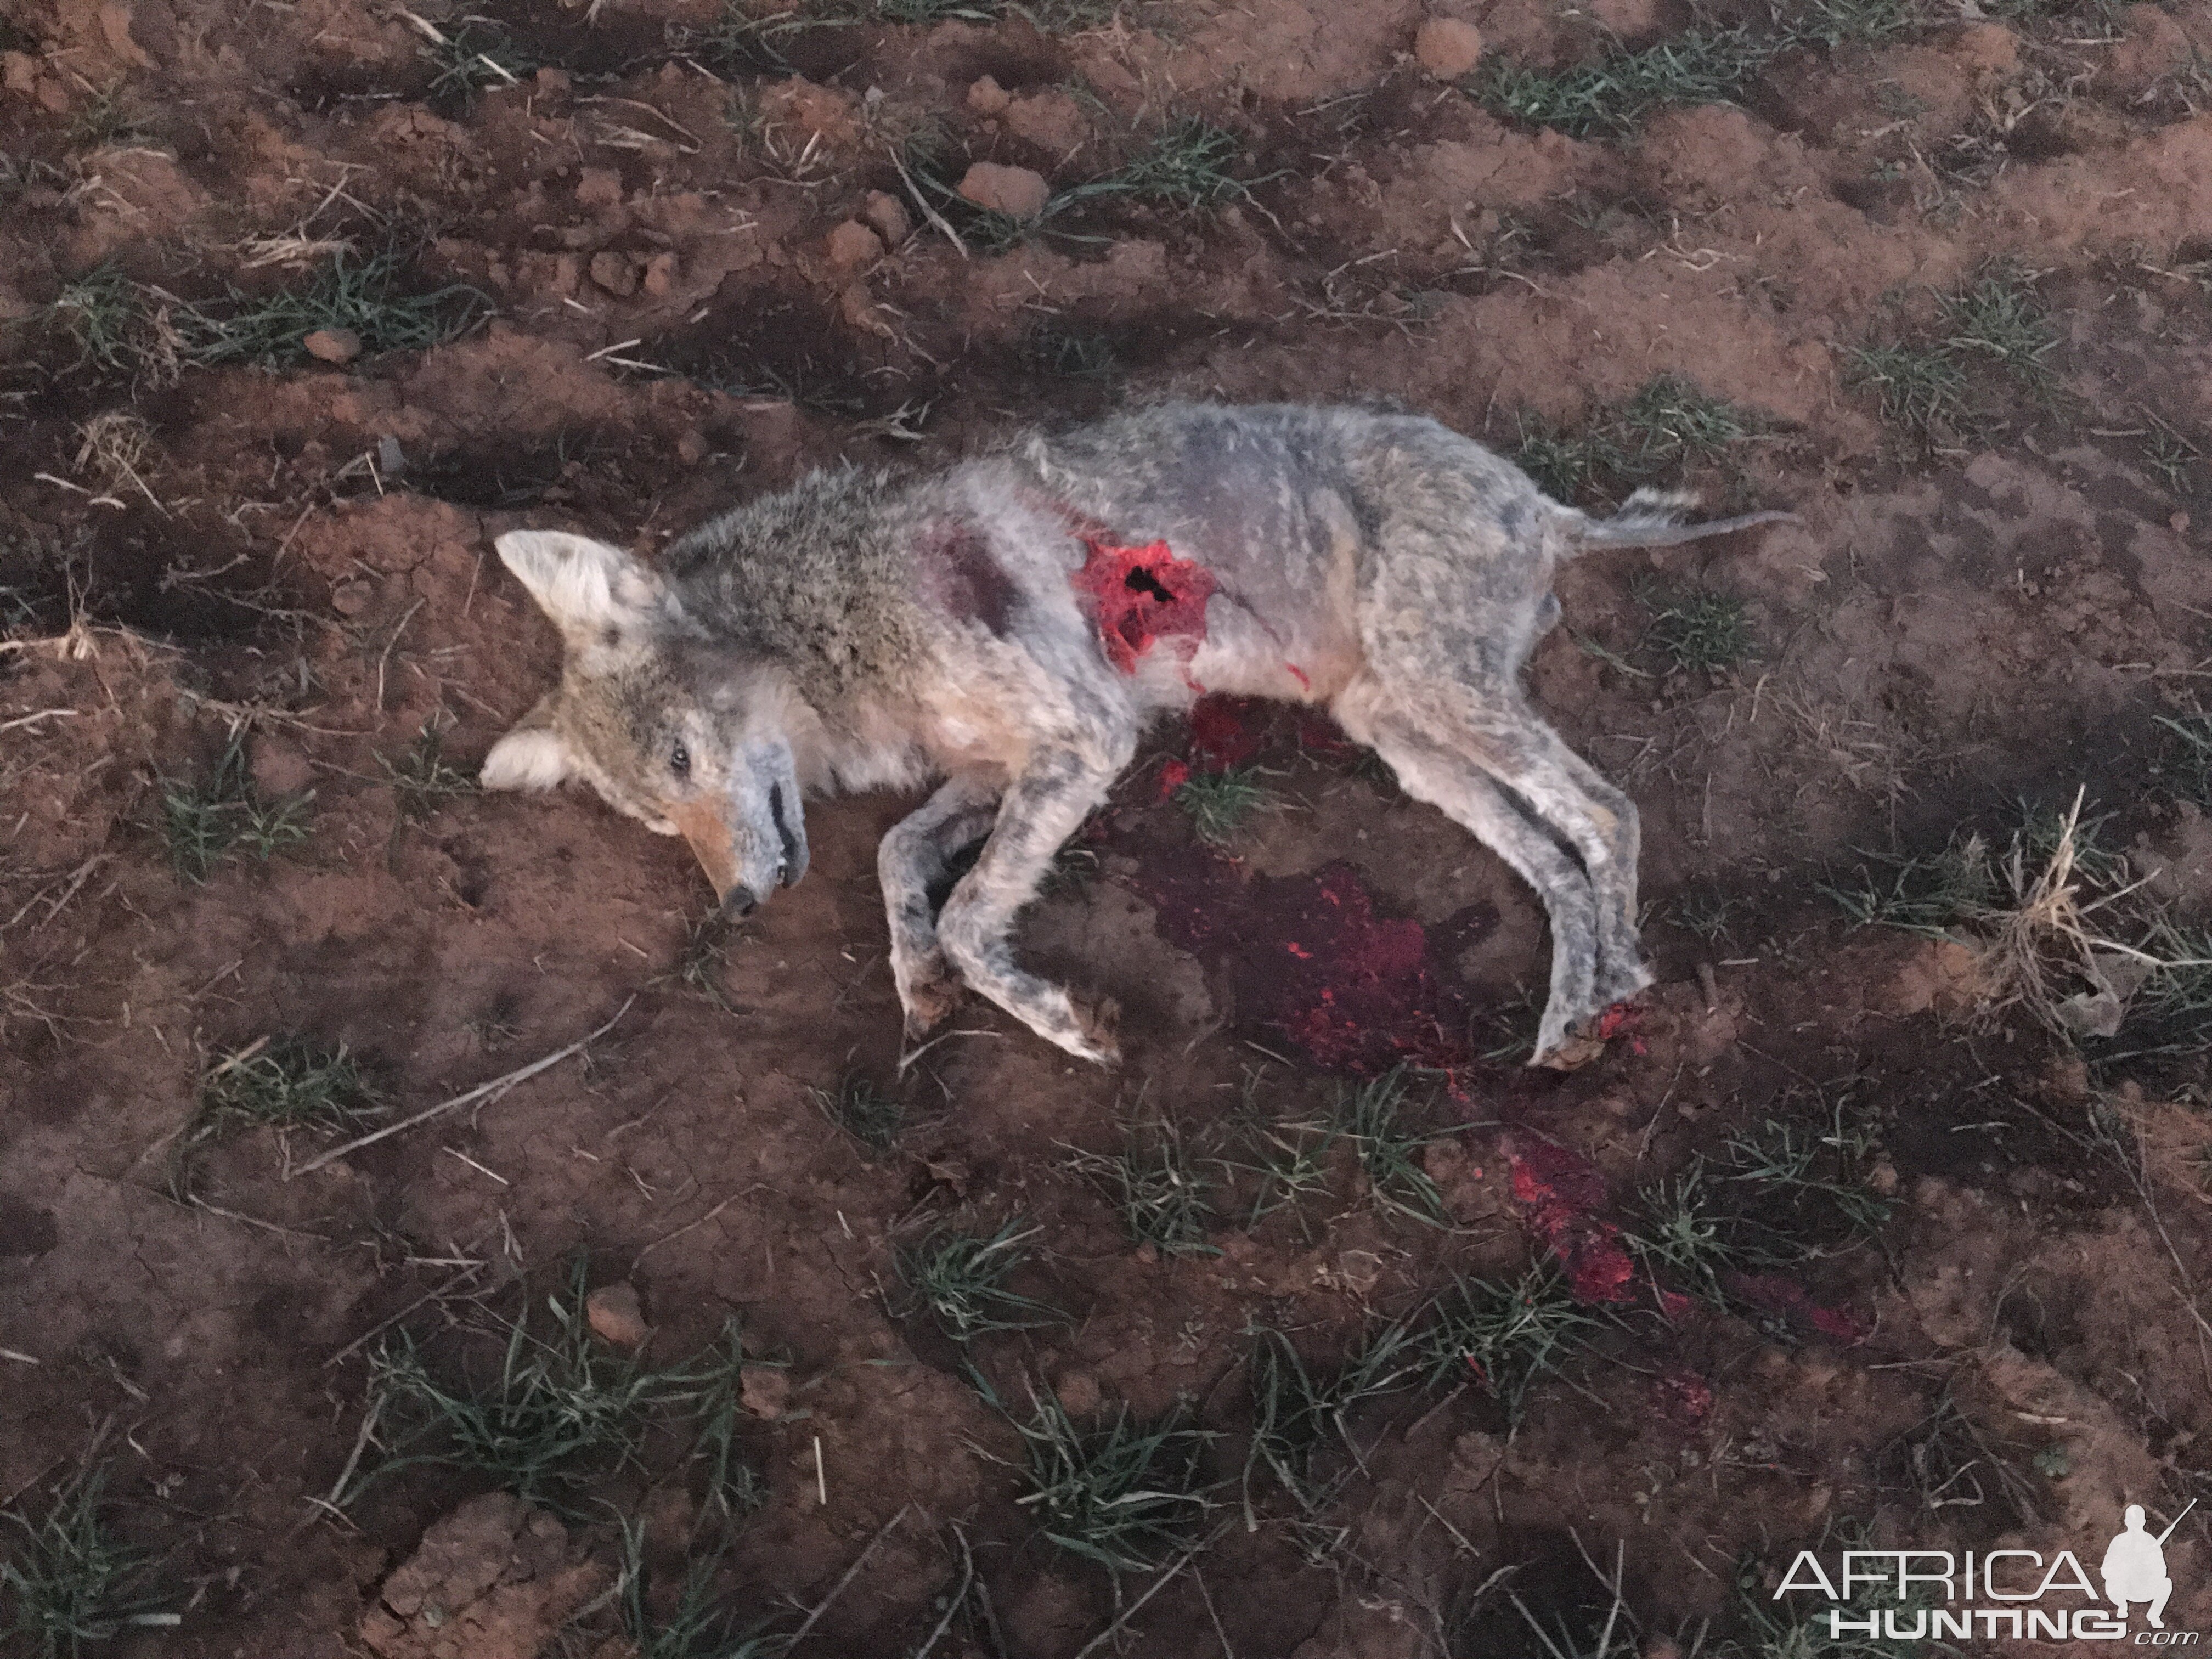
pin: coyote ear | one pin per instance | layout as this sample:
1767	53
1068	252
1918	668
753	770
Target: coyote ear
533	756
584	586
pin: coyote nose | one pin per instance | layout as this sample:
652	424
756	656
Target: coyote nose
739	902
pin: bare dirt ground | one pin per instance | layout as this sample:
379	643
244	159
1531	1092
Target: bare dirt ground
1856	1232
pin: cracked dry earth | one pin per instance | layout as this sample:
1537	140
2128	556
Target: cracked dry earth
677	263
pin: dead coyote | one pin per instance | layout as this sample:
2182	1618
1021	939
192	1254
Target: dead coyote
1009	629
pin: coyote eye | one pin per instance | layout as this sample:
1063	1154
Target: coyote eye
680	760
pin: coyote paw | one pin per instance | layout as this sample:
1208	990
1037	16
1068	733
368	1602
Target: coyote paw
1583	1041
929	996
1100	1024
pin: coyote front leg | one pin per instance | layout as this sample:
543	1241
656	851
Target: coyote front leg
911	856
1046	804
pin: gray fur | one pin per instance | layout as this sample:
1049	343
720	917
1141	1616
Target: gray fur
857	633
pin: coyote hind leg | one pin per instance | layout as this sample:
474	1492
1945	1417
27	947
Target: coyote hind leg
912	855
1044	806
1471	798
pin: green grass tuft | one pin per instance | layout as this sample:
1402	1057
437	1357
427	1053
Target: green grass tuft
224	817
1125	1495
693	1625
1699	630
960	1280
1924	385
1186	168
1219	804
1610	96
289	1082
477	56
421	777
1389	1153
1669	423
1296	1414
73	1582
862	1111
367	298
1163	1199
561	1410
1505	1339
103	315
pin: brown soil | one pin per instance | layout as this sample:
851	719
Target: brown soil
707	277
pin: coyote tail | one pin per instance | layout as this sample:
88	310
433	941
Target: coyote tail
1653	518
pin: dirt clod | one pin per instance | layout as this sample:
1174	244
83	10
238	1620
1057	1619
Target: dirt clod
988	97
493	1580
1448	47
616	1316
1018	192
887	216
852	246
333	345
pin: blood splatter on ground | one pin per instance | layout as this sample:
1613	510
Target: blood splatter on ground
1561	1193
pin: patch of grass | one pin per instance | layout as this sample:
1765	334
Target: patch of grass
1807	1183
1704	912
289	1082
1505	1339
960	1280
1186	168
224	817
739	37
2000	319
1921	388
734	1486
1680	1228
1928	894
103	314
1838	23
694	1626
1923	384
1163	1199
73	1582
862	1111
1074	353
1609	96
1389	1153
1667	424
477	55
421	777
1125	1495
1291	1163
1799	1627
1295	1414
1218	803
2190	754
367	298
1699	630
561	1410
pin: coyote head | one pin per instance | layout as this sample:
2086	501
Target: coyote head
687	742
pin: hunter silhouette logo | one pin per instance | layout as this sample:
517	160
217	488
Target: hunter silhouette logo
2135	1566
1913	1595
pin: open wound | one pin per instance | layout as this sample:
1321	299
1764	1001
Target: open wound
1141	595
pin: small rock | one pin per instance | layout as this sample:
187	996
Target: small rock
1883	1178
599	188
659	274
1447	47
19	71
614	273
279	769
765	1390
350	598
887	216
1078	1392
853	244
333	346
552	82
988	97
1017	193
691	447
614	1314
1051	120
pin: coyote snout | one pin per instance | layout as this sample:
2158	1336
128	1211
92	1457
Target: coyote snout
1008	630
